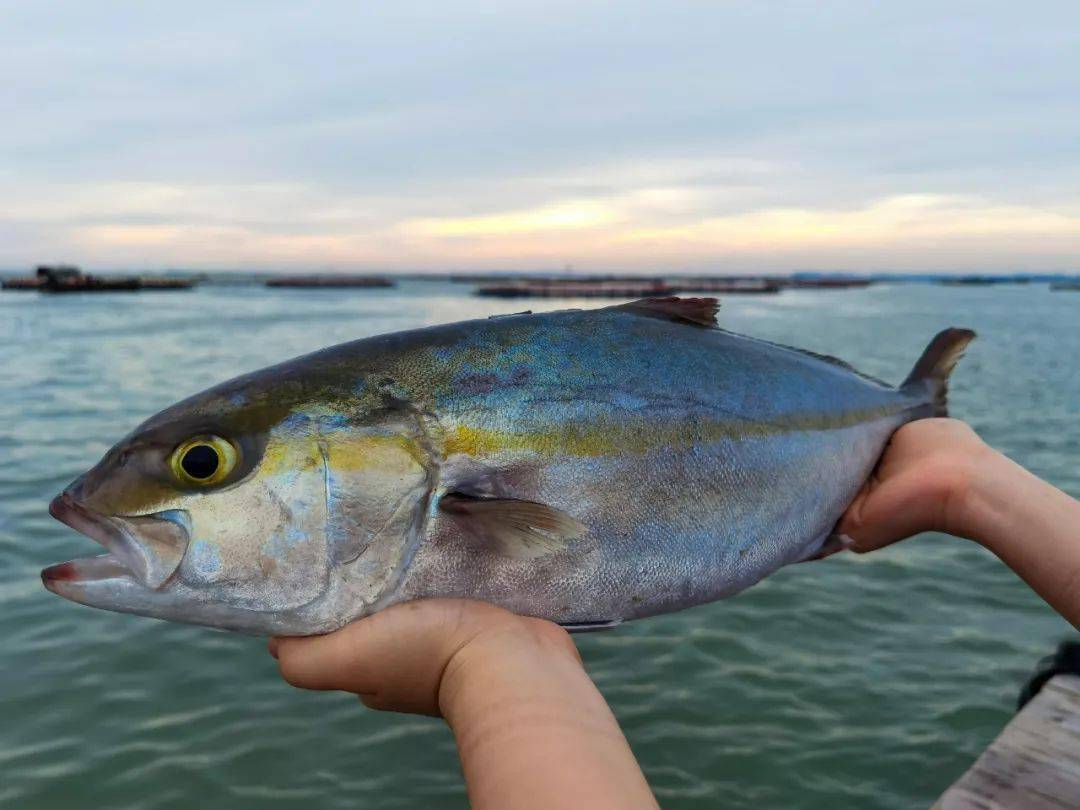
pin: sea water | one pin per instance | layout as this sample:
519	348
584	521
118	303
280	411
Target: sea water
860	681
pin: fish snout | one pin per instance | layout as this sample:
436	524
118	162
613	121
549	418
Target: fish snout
75	491
146	548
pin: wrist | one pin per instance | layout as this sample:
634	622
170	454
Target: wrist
990	479
531	728
517	659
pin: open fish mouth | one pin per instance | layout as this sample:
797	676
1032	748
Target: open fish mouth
136	574
145	550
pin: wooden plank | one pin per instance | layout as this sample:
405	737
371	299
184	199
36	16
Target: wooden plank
1034	763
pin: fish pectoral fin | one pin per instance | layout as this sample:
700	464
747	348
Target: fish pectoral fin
522	530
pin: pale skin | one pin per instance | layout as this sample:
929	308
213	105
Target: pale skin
531	728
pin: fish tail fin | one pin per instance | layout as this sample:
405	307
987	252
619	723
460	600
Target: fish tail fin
932	370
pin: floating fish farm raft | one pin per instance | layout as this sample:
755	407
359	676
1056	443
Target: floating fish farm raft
335	282
67	278
650	287
575	289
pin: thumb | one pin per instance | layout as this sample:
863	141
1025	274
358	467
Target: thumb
886	511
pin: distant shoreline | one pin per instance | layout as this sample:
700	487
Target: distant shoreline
244	277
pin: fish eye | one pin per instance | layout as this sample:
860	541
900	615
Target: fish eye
203	460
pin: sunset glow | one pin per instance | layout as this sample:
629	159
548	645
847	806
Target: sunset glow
712	139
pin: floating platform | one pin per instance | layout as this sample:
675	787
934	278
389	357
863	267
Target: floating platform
826	283
66	278
576	289
334	282
1066	286
157	283
729	286
982	281
90	283
27	283
620	287
1034	763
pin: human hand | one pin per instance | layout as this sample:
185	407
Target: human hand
531	728
922	483
415	657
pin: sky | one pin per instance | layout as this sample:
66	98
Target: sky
603	136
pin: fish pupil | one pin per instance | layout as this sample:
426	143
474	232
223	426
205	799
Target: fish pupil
200	461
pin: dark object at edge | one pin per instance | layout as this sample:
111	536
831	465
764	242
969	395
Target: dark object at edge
1066	661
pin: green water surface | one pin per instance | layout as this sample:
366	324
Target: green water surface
862	682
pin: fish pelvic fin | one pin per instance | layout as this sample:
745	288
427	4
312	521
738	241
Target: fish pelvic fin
932	370
521	530
695	311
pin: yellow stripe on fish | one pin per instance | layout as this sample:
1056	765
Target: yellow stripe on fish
603	437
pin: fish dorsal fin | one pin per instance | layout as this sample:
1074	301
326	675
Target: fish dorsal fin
828	358
522	530
697	311
825	358
836	361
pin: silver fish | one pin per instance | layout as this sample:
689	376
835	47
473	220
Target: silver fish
587	467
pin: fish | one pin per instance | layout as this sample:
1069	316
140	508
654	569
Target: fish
587	467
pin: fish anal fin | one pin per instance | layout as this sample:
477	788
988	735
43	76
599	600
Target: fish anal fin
589	627
521	530
834	544
696	311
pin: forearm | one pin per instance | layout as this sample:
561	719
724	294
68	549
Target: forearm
1031	525
533	732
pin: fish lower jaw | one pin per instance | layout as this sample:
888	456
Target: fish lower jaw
101	530
147	549
86	569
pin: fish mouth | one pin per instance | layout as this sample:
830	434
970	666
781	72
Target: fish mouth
135	575
144	550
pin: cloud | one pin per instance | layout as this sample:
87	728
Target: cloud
689	135
573	215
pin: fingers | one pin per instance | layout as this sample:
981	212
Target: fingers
394	659
919	485
888	511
